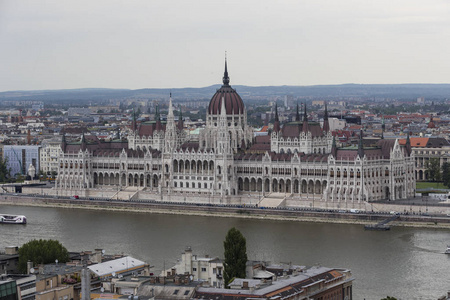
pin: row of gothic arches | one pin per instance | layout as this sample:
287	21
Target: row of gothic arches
137	180
281	185
193	166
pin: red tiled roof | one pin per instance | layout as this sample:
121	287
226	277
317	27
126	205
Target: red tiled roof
415	141
294	129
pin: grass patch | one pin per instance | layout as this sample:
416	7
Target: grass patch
426	185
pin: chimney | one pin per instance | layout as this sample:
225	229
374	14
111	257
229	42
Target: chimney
174	271
29	137
99	255
85	284
29	266
245	284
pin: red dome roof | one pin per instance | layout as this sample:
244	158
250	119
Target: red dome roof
233	102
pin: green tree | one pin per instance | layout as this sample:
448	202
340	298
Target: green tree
4	171
235	256
433	170
389	298
41	252
446	174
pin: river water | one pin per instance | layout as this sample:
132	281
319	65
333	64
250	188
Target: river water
407	263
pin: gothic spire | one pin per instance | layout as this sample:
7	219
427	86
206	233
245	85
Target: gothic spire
360	145
83	142
305	121
63	142
408	145
326	124
334	147
297	114
276	124
226	79
170	113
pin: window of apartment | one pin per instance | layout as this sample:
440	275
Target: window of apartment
214	270
176	292
194	269
186	292
203	269
48	282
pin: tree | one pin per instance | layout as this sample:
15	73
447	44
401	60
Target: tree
4	171
446	174
41	252
235	256
389	298
433	170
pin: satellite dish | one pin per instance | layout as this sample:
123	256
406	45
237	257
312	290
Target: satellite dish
102	289
113	274
191	277
32	271
103	251
56	261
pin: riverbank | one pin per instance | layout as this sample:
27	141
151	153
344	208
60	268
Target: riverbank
230	212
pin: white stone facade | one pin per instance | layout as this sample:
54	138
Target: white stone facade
49	155
301	162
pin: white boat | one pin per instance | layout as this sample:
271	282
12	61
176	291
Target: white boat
12	219
448	250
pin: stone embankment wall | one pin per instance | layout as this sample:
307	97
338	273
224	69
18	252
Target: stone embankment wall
241	212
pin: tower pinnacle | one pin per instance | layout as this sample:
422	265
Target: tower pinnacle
226	79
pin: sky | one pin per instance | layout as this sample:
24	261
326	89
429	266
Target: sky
173	44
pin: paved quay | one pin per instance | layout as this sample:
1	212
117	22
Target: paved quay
298	214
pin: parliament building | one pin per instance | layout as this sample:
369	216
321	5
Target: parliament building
227	164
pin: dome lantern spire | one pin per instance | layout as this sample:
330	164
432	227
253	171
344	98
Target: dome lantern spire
226	79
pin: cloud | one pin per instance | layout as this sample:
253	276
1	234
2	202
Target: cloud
134	44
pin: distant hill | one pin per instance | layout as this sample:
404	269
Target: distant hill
399	91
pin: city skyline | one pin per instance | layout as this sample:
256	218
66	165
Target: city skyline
140	44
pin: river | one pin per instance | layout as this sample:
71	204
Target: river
407	263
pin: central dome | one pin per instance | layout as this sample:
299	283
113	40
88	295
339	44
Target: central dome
233	102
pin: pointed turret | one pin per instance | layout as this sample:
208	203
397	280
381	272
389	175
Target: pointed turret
408	145
226	79
170	113
63	143
334	147
170	132
326	124
305	127
360	145
223	110
83	142
276	124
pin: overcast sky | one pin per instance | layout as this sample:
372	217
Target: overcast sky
173	44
